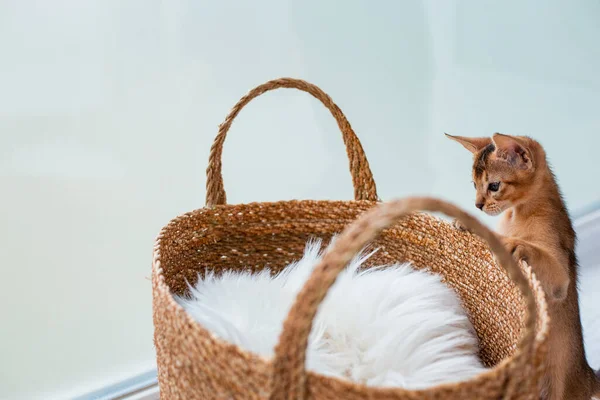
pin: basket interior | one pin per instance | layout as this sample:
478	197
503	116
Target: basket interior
260	235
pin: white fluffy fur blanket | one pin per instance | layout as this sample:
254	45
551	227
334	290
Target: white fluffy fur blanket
393	326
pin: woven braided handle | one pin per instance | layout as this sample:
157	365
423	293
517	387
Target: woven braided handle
362	178
289	375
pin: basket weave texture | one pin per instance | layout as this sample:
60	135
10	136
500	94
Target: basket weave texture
505	302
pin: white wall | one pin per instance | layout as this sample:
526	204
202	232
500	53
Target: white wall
108	110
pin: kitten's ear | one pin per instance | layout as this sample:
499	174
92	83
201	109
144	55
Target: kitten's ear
514	150
473	144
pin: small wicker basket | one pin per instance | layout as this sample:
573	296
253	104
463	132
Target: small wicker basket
508	310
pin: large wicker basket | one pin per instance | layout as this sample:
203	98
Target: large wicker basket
508	310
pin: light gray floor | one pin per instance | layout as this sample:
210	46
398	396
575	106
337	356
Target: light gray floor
587	226
589	300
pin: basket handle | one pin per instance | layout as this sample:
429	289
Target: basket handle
362	178
289	375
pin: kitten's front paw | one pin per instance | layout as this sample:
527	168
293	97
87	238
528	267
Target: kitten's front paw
519	252
516	249
553	276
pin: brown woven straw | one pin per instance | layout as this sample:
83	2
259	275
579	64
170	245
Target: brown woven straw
506	305
362	178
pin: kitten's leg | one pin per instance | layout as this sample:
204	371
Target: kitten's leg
556	389
558	359
551	271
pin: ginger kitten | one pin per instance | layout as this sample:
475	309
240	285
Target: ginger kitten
511	176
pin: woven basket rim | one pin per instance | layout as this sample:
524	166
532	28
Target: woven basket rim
541	333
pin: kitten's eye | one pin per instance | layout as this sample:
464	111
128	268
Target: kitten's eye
494	186
474	185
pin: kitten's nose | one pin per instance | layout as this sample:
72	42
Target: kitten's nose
479	205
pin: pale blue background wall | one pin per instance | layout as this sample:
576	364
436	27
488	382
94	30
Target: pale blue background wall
108	110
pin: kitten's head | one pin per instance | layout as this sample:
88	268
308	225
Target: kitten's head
503	170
